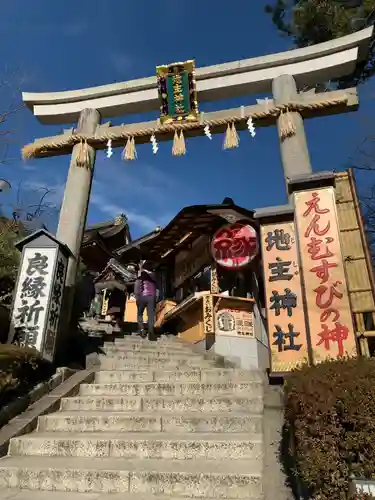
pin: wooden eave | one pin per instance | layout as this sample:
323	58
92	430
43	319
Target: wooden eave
95	253
97	242
107	231
133	251
114	268
110	278
188	225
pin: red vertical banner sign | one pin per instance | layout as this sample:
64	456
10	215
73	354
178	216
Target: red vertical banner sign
328	309
284	299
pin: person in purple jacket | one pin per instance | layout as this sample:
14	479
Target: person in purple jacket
145	290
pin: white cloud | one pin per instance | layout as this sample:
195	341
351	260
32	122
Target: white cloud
141	191
75	28
29	167
116	181
133	180
120	62
142	221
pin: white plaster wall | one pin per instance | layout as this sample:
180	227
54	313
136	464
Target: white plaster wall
244	352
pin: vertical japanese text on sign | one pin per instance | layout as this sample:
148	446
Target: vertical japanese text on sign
285	313
55	307
208	314
235	245
177	92
329	314
31	297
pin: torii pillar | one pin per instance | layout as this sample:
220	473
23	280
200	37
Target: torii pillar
74	208
295	156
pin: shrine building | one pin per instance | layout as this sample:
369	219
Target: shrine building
232	280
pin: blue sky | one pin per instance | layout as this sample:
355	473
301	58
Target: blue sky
62	45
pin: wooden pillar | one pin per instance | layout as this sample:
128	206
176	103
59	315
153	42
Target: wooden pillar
360	330
294	152
363	347
74	207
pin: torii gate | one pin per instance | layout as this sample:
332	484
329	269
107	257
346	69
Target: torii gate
284	73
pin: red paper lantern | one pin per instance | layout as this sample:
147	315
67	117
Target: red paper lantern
234	246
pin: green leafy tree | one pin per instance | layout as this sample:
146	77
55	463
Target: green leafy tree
10	232
309	22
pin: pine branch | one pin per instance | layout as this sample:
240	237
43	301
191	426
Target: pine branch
309	22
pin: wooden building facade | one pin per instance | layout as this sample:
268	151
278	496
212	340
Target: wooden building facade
207	302
200	301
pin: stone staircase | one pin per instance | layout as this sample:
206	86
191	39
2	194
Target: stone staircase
160	420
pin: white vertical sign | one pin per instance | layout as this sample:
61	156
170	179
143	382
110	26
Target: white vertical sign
32	296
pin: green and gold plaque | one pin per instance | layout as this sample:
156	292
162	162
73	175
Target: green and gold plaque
177	92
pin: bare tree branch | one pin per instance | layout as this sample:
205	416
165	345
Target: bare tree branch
11	83
12	227
10	230
30	211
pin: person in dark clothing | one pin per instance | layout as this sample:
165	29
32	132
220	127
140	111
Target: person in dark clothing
145	290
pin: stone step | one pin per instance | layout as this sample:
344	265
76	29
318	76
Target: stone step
189	478
164	403
148	357
152	347
157	352
171	388
99	421
163	340
124	363
193	375
140	445
144	344
18	494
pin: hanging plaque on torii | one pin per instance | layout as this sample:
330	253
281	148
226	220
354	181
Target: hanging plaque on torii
177	92
178	100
